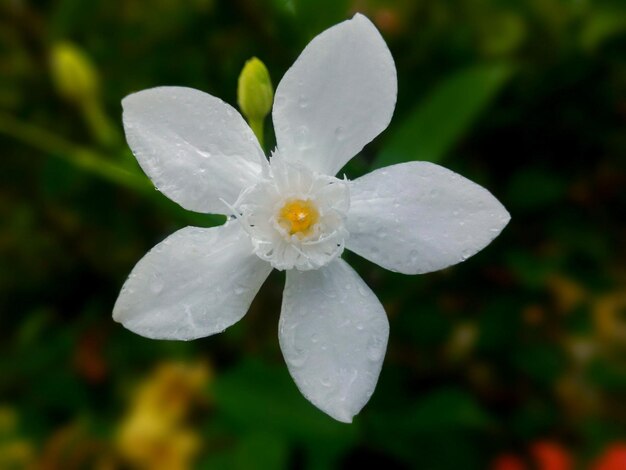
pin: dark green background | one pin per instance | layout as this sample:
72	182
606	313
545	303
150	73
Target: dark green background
523	343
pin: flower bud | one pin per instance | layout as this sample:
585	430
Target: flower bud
73	74
254	90
255	95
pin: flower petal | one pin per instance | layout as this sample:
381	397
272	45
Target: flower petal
195	283
338	96
419	217
193	146
333	334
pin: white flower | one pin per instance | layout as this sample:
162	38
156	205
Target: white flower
292	214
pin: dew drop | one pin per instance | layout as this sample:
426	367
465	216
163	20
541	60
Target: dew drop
326	381
363	291
296	358
156	286
466	254
375	348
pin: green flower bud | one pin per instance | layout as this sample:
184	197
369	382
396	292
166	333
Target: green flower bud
254	90
255	94
73	74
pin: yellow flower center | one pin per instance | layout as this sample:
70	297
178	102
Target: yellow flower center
298	217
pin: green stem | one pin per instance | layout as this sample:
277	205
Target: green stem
81	157
257	127
98	165
99	124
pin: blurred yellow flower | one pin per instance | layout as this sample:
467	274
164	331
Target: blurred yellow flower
154	433
15	452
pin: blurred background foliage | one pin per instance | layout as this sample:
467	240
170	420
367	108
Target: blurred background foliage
515	359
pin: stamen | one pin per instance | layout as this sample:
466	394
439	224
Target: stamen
235	213
298	217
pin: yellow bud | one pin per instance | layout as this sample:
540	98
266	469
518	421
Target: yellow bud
73	74
255	94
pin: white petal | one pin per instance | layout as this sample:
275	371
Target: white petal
193	146
195	283
419	217
338	96
333	334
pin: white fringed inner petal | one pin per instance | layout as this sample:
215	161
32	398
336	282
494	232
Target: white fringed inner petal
259	210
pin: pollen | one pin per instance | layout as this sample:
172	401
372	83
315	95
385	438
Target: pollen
298	217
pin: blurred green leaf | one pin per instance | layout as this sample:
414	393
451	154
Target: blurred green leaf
260	451
423	433
542	362
533	418
317	15
447	409
531	269
601	26
82	158
436	124
501	33
424	327
534	188
441	410
499	325
610	376
256	396
123	173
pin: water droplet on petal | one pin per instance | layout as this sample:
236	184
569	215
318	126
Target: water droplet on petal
466	254
296	359
326	381
375	348
156	285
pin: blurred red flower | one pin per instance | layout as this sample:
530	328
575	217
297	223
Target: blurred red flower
613	458
508	462
551	456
